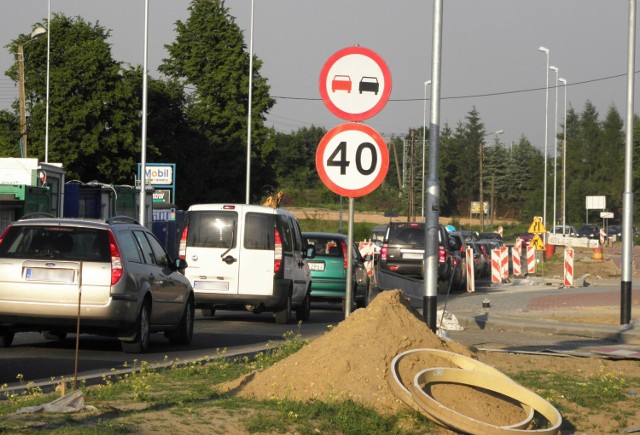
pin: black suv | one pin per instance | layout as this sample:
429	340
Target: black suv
403	252
590	231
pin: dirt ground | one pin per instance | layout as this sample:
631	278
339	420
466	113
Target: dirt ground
369	339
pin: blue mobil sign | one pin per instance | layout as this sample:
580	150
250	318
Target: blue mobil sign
162	177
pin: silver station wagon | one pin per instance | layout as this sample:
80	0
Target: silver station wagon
109	277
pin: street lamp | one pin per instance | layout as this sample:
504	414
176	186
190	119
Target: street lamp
564	160
37	32
481	155
424	147
555	150
46	119
546	137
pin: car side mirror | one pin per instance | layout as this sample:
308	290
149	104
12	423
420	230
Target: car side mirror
310	251
179	263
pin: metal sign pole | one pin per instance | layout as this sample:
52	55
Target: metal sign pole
348	302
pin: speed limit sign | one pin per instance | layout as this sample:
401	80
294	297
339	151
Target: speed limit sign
352	159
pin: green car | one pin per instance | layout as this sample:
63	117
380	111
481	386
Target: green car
329	270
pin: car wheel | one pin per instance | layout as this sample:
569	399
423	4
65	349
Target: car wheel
184	333
54	335
141	343
6	338
284	316
363	301
303	312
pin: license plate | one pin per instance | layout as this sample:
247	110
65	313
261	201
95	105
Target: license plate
210	285
316	266
413	256
50	275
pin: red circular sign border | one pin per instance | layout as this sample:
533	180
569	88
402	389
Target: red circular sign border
323	81
384	154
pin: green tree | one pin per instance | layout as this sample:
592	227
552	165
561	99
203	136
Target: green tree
91	127
209	59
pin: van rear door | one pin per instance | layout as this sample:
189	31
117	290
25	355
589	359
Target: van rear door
256	269
213	252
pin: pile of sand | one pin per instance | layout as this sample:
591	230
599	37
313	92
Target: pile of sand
352	360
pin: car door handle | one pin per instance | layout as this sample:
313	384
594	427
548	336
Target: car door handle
229	259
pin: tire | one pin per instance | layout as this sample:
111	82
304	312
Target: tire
303	312
141	343
363	301
54	335
283	317
6	338
184	334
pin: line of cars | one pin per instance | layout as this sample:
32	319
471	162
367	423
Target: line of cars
113	277
402	252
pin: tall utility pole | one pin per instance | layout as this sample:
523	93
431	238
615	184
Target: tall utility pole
481	159
412	199
23	112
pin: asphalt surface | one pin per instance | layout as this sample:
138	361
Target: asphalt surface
544	305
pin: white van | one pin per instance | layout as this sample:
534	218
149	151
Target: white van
247	257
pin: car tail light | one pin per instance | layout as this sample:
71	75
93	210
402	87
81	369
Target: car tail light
4	233
442	255
116	261
277	252
343	244
182	248
384	252
456	261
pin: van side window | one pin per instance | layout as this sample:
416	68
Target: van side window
212	229
297	239
285	232
258	231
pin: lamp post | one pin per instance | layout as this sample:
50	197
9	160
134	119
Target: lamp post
555	150
481	155
424	146
46	119
546	137
37	32
564	160
249	105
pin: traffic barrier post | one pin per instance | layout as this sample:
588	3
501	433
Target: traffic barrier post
568	266
471	278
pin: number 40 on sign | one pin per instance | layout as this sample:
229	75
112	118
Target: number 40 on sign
352	159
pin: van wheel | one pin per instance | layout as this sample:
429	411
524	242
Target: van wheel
141	342
184	333
284	316
6	338
54	335
303	312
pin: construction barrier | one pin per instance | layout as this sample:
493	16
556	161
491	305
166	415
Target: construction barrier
531	259
504	262
496	266
367	248
515	259
568	266
471	278
597	254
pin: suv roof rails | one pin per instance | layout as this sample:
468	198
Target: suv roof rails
36	215
121	220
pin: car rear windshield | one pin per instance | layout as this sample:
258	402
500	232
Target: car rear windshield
212	229
407	234
326	246
56	243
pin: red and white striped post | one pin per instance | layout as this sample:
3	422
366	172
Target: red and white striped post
504	262
496	268
515	259
531	259
568	266
471	278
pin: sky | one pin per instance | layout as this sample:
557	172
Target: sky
490	55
